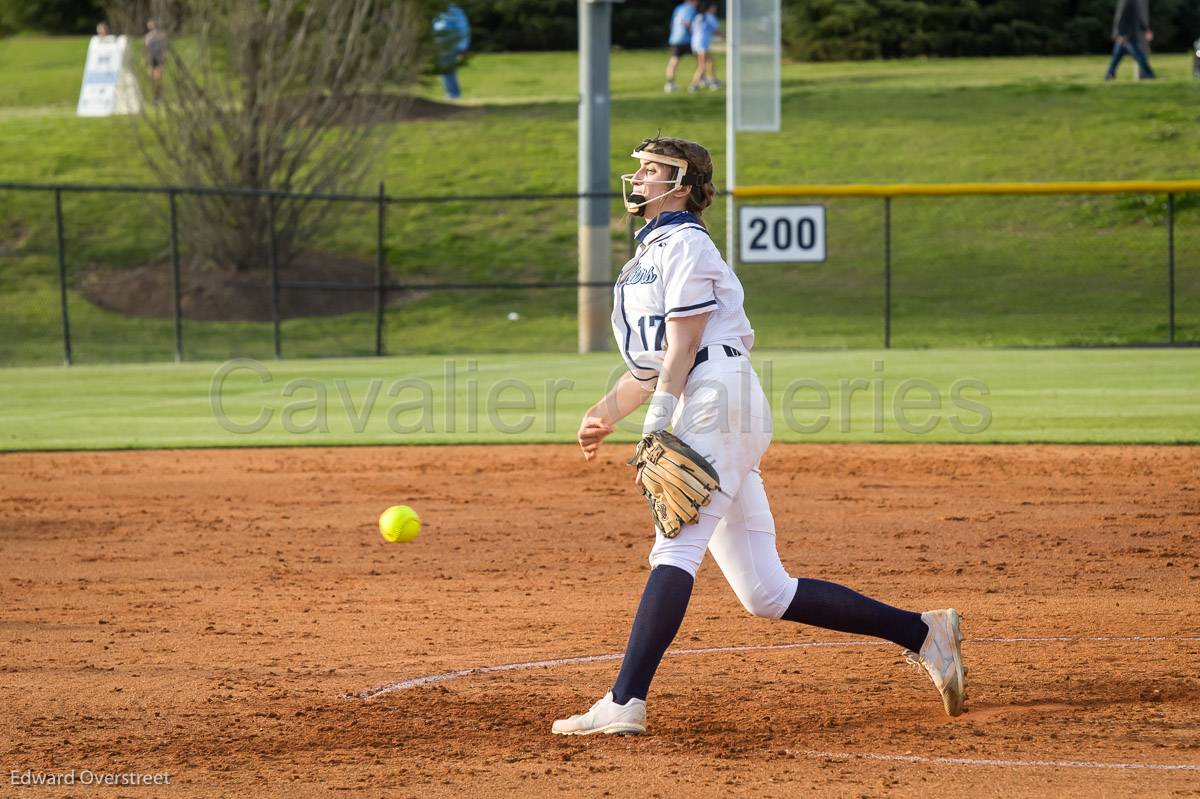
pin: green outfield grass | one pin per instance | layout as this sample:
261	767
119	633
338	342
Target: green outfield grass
971	272
1085	396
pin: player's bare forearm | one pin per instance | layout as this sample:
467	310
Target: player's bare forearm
683	339
600	419
626	397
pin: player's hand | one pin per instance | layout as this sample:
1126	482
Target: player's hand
1149	36
592	430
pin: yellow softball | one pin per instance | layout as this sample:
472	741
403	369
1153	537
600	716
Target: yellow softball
399	524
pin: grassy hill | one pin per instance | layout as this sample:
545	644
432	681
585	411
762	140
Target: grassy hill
968	272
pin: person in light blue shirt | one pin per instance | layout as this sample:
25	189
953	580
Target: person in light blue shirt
680	40
452	34
704	26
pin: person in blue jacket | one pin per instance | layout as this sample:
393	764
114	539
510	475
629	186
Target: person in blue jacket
452	34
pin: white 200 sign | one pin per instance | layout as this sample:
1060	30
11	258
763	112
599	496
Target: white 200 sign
781	233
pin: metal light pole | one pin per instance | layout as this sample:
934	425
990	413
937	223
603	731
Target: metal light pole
595	266
731	87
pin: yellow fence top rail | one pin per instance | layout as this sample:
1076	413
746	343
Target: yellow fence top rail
968	189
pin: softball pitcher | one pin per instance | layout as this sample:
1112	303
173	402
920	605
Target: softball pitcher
679	322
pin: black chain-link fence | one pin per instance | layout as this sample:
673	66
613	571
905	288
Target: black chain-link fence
126	281
100	274
998	270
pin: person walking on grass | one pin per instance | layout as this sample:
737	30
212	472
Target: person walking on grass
452	34
704	26
680	40
1131	20
156	56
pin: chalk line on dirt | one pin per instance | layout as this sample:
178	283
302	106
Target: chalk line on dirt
429	679
1002	763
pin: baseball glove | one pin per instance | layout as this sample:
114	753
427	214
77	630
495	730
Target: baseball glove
676	480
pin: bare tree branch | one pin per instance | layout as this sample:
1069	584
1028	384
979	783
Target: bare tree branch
273	94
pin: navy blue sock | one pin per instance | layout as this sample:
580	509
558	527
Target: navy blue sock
664	601
836	607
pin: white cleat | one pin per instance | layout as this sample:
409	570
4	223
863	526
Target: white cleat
941	657
608	717
670	87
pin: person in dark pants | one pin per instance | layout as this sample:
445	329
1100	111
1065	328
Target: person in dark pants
156	56
1130	21
452	34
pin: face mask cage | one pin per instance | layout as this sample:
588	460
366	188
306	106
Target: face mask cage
635	203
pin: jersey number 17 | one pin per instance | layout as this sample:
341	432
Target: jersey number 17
650	323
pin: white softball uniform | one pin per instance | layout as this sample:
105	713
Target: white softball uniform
676	272
723	413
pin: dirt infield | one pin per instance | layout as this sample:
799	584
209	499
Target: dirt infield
205	613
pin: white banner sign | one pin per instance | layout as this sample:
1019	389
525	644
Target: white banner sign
108	85
756	68
771	234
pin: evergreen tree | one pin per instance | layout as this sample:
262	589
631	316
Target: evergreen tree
821	30
50	16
